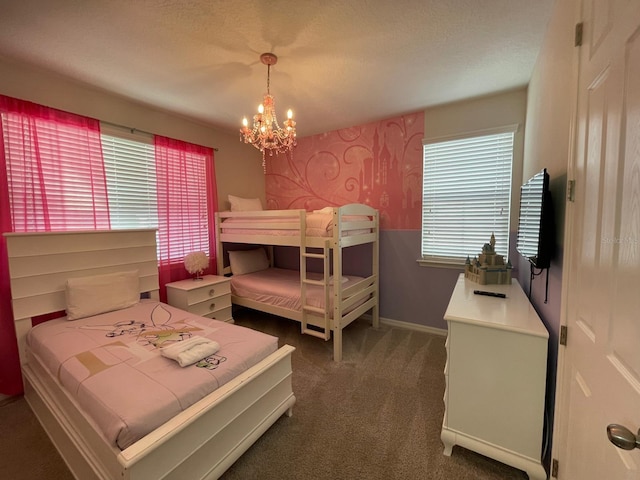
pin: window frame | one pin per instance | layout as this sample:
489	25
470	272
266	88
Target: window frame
455	261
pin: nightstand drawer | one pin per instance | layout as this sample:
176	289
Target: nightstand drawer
210	305
224	315
209	297
207	292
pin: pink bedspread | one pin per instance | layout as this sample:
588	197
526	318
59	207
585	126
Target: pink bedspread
111	364
281	287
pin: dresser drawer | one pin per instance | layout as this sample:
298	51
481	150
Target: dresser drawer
210	305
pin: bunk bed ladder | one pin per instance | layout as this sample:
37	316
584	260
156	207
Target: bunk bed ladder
309	310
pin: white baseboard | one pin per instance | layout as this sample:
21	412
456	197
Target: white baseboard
409	326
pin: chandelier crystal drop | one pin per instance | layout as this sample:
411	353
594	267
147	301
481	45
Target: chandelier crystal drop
266	134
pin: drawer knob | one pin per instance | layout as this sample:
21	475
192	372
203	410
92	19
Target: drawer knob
212	306
211	292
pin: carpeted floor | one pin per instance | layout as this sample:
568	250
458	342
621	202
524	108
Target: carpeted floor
25	449
376	415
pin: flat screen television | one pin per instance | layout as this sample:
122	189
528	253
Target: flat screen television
536	223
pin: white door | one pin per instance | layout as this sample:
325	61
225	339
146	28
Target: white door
600	379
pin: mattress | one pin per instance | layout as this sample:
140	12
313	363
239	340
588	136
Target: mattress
318	224
280	287
111	365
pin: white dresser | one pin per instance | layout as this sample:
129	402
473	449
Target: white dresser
209	297
495	376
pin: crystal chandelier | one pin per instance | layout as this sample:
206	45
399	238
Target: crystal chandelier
266	135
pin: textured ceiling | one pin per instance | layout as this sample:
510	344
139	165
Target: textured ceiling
341	63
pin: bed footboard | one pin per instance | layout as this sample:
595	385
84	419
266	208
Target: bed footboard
200	443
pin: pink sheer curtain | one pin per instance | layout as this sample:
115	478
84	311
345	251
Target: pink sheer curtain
54	168
10	378
187	201
51	178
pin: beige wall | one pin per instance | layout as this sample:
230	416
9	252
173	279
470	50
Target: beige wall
551	104
493	111
548	144
238	166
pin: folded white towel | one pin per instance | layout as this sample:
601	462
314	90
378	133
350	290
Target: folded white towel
177	347
197	353
190	351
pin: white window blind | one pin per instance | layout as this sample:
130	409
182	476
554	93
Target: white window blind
129	164
466	195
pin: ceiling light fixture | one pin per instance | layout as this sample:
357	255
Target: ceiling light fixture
266	135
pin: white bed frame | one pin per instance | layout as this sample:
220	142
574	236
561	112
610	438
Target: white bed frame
362	294
199	443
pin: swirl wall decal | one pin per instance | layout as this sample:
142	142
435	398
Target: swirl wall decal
378	164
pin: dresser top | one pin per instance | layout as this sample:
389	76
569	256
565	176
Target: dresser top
190	283
514	312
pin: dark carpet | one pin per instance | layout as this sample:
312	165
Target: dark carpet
375	415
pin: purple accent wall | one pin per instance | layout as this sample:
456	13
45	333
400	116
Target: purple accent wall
410	292
355	260
413	293
546	299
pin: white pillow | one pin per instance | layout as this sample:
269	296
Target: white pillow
248	261
324	210
342	280
239	204
88	296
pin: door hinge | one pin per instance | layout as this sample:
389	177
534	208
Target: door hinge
554	468
563	335
578	34
571	190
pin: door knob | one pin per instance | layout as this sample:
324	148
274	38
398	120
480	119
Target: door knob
622	437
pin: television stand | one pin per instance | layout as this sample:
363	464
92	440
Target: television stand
495	376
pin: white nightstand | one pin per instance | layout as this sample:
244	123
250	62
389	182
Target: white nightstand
209	297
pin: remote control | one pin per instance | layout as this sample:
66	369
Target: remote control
490	294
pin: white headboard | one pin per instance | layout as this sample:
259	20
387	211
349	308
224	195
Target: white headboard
41	263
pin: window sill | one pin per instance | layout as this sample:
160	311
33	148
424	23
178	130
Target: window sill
457	265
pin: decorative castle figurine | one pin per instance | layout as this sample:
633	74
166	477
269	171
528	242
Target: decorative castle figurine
489	267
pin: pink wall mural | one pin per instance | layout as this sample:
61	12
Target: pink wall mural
378	164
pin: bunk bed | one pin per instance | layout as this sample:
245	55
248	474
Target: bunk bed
205	436
324	235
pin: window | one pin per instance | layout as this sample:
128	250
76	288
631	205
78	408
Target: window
65	172
161	184
60	171
466	195
130	169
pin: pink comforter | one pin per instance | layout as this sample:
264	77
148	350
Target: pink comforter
281	287
111	364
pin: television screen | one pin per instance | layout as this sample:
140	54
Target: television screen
534	230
